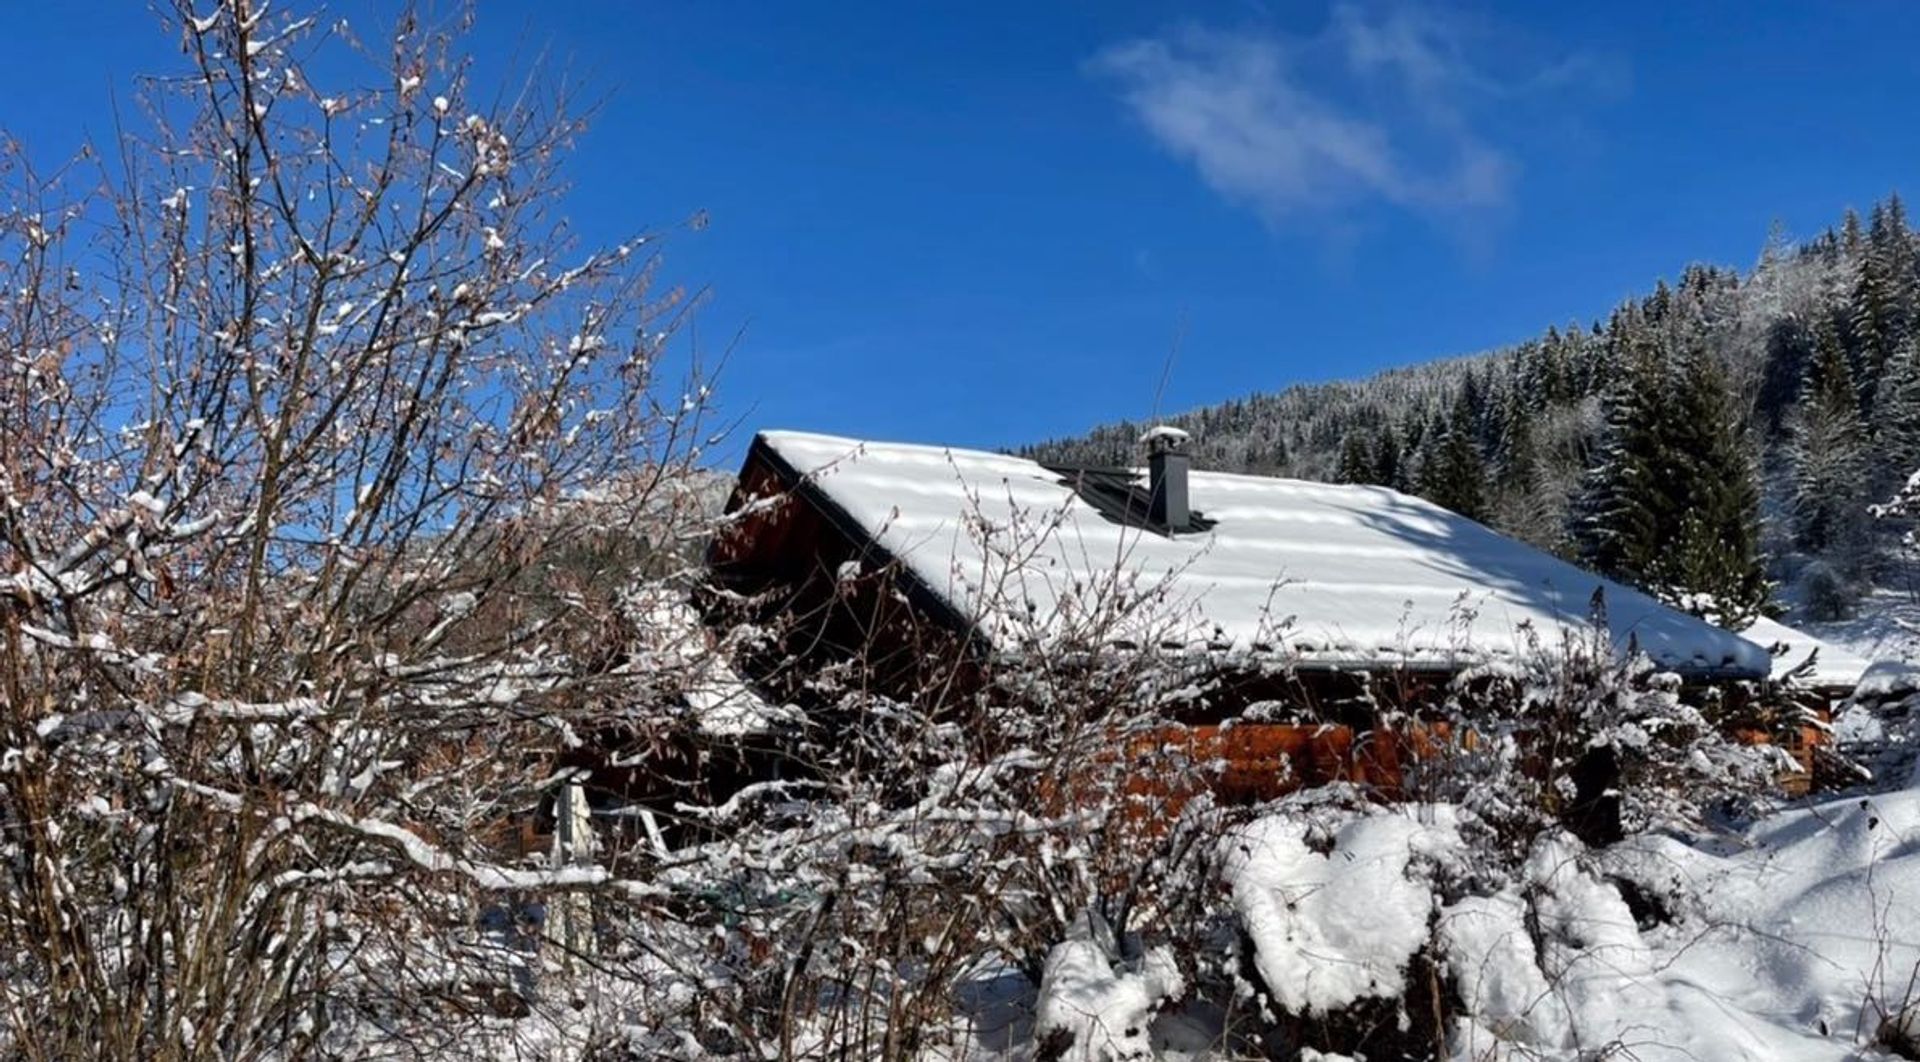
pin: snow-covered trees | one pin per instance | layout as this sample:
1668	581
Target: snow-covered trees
1881	309
1828	450
1896	420
1905	503
351	699
1624	499
1828	459
1356	459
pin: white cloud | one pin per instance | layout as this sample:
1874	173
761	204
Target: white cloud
1385	105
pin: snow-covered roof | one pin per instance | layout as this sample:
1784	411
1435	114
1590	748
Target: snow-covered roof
1833	665
1890	678
1326	574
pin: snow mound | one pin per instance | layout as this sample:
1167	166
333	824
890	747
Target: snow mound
1889	678
1795	940
1491	958
1827	664
1096	1007
1333	924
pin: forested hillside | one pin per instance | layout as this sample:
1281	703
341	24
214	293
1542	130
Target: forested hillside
1719	440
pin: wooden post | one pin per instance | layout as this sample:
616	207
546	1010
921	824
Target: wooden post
570	920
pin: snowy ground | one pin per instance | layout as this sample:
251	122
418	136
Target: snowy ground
1886	626
1795	939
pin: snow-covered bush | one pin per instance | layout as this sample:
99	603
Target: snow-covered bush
1825	593
1410	931
1905	504
967	823
1595	741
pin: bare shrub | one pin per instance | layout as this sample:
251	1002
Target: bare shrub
355	703
307	389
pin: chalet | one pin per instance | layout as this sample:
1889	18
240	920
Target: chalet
1327	577
1333	599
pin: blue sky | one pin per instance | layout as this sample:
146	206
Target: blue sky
986	224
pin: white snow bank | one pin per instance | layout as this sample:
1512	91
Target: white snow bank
1332	925
1784	943
1099	1006
1795	940
1490	955
1889	678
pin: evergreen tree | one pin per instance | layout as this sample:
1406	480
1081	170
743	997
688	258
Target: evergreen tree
1414	444
1851	237
1896	422
1521	505
1624	506
1826	452
1454	475
1712	564
1356	461
1876	325
1388	469
1788	352
1672	506
1278	457
1890	243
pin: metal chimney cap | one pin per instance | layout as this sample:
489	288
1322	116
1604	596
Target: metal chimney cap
1162	438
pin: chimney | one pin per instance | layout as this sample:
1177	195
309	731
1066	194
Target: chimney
1167	461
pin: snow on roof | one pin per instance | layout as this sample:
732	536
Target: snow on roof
1890	678
1833	665
1320	573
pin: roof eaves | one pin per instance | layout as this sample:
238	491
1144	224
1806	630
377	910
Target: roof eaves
922	595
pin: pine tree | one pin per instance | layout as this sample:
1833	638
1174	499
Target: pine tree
1851	237
1876	325
1356	460
1624	506
1278	456
1890	242
1896	422
1789	351
1388	468
1672	506
1520	506
1454	475
1414	444
1712	564
1826	452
